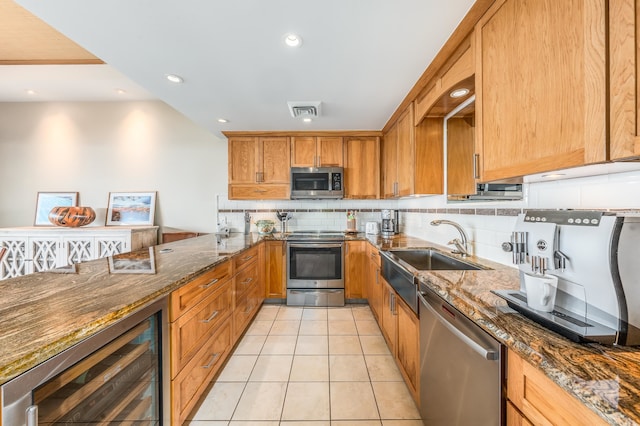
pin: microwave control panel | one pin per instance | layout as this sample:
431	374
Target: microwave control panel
336	181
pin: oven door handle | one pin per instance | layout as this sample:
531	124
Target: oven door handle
315	245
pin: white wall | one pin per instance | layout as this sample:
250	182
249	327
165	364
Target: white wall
98	147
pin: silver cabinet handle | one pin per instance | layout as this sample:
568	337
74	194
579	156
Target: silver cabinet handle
249	309
208	320
210	283
247	281
483	352
214	357
476	166
244	259
32	415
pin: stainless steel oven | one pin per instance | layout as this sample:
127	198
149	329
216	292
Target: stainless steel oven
315	270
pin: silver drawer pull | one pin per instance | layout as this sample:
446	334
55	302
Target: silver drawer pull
212	282
208	320
247	281
248	310
214	357
246	258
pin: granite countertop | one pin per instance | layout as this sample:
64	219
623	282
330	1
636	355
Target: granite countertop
605	378
43	314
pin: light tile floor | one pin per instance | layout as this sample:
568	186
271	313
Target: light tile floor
310	366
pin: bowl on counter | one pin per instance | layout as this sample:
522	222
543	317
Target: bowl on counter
265	226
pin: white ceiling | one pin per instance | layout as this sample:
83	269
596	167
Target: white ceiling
359	57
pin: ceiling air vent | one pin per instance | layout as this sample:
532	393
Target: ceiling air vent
304	109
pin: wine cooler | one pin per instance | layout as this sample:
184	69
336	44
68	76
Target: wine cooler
114	377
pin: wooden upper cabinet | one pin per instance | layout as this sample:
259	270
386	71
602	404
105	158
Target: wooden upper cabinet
390	162
243	160
624	73
362	167
259	167
406	154
275	159
541	86
316	151
412	159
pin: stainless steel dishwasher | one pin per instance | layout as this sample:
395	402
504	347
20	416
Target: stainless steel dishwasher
461	367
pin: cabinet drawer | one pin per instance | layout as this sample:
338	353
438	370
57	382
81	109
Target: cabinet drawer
258	192
244	258
191	293
193	380
246	279
197	324
373	254
246	307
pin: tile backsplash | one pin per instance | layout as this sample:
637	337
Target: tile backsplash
487	224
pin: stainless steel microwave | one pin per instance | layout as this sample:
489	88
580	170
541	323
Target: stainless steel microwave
317	182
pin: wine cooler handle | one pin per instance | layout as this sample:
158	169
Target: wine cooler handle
32	415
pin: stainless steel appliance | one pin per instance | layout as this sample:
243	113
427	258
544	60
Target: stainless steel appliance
461	368
115	376
389	222
315	268
317	182
595	257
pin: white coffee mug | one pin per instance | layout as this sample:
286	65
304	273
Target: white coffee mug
541	291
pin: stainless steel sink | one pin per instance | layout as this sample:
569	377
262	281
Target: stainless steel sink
429	259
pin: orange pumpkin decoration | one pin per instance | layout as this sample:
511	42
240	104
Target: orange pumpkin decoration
71	217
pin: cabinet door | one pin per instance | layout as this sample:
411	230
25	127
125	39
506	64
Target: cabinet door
274	270
78	250
45	253
375	287
275	160
355	270
461	153
303	151
390	162
624	71
389	316
15	262
108	246
329	151
362	168
243	160
406	153
541	96
408	352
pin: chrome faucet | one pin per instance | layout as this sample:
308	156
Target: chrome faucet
461	246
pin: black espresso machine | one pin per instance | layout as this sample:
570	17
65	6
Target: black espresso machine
596	257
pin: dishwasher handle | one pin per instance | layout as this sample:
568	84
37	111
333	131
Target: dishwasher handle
488	354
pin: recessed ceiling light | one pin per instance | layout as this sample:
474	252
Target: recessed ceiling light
458	93
120	91
174	78
30	92
292	40
222	120
307	120
553	175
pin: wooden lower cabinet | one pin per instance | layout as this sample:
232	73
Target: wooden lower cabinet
201	336
207	317
195	377
274	272
408	347
355	269
374	282
535	399
389	324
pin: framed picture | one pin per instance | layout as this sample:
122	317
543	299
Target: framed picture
48	200
131	208
135	262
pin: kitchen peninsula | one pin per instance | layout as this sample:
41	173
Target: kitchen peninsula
44	314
